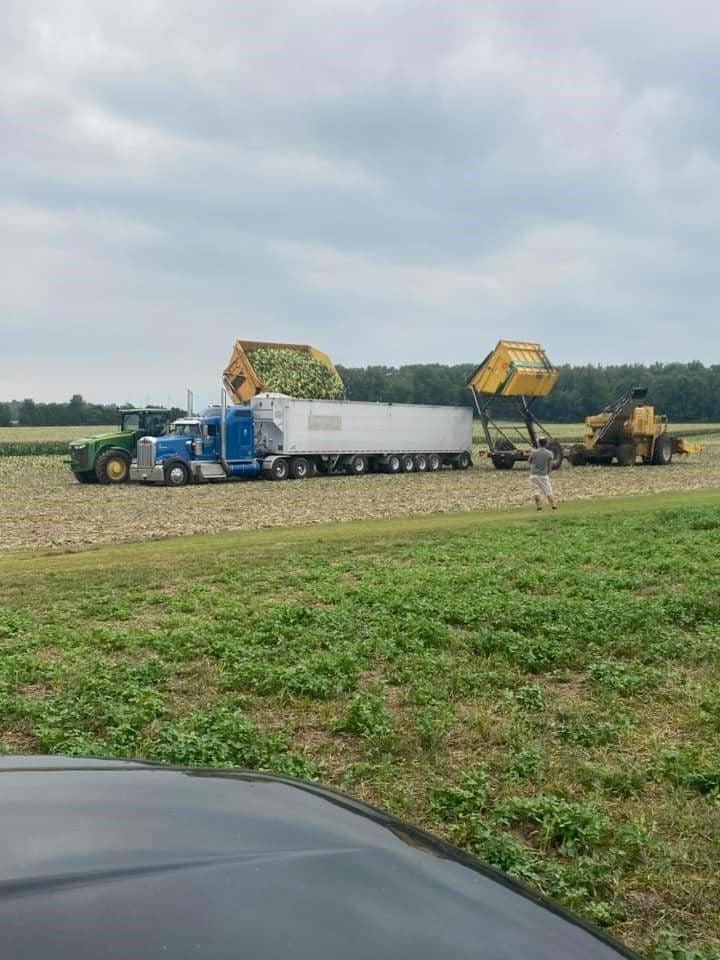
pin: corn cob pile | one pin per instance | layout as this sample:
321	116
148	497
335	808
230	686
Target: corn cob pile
296	373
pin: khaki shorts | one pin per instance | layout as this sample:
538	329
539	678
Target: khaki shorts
541	486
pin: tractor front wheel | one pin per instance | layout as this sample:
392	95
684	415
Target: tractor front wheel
112	467
85	476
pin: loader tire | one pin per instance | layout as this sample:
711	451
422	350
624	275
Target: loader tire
626	454
577	456
503	461
112	467
662	454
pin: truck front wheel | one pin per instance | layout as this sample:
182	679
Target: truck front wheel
112	467
176	474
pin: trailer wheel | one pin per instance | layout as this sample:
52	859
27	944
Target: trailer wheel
176	474
393	464
299	468
434	462
464	460
113	466
557	451
421	463
357	466
662	454
626	454
407	463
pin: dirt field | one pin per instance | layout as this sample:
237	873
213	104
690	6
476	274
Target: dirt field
41	505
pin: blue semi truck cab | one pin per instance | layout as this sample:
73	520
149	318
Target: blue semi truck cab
195	449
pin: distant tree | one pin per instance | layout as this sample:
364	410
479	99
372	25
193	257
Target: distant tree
27	415
5	415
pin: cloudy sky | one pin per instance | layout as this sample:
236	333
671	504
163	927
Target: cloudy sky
397	181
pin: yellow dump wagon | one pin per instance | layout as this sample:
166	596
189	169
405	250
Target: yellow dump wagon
518	373
240	377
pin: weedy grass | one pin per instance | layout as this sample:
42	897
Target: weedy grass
544	692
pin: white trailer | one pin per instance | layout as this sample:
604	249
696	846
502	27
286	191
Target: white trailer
356	436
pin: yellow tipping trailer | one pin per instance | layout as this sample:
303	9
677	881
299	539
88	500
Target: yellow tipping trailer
520	372
242	381
515	369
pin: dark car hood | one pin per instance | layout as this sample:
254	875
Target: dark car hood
130	860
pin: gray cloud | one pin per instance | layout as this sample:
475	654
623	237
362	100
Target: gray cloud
397	181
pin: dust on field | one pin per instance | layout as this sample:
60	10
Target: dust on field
42	506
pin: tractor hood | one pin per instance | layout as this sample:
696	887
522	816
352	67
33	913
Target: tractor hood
125	859
101	438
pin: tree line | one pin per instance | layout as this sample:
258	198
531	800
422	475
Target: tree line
76	412
682	391
685	392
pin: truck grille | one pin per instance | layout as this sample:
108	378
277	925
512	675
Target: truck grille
146	452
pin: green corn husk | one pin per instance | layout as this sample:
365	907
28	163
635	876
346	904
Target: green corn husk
296	373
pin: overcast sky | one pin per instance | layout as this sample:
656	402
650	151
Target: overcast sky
393	182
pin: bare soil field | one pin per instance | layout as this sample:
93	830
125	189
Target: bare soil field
43	507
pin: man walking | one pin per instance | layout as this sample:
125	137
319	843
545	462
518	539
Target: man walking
540	466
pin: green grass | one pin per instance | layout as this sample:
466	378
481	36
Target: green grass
543	690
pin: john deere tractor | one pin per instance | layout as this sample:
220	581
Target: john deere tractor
105	457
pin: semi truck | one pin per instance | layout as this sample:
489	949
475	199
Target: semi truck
279	437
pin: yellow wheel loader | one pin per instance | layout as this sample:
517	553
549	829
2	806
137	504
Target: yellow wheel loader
627	430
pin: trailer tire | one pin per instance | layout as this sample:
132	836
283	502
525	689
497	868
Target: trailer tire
357	466
626	454
421	463
279	469
662	454
112	467
393	464
176	474
556	450
434	462
407	463
464	460
299	468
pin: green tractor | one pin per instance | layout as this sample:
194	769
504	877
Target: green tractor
106	457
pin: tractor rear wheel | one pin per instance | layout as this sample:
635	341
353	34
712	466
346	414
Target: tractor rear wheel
662	454
626	454
113	466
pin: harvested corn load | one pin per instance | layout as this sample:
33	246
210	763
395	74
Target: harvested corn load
296	373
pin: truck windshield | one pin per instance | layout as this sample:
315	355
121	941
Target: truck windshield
186	429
